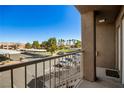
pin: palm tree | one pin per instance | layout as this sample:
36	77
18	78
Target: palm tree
63	42
69	42
59	41
66	42
72	41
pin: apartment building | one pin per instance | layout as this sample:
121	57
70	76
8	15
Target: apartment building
11	45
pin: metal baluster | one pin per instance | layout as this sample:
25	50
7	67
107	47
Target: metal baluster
54	73
68	67
72	68
50	72
69	64
77	58
80	61
44	74
25	77
78	65
62	72
72	64
75	63
66	74
35	75
11	78
59	71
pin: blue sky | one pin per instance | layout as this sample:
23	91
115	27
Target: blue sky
29	23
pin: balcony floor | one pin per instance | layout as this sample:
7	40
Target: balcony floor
102	82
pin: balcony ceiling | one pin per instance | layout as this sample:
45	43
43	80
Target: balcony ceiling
108	12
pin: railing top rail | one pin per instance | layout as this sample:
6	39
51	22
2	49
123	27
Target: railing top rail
26	63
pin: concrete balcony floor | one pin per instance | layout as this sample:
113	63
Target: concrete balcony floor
102	82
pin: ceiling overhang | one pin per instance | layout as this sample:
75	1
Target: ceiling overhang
107	12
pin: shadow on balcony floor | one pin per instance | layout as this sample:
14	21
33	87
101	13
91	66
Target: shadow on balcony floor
102	82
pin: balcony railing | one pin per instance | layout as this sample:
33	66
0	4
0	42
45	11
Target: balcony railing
56	71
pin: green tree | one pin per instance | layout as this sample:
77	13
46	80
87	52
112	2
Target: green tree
63	42
52	46
28	45
44	45
61	47
78	44
35	45
59	42
73	41
69	42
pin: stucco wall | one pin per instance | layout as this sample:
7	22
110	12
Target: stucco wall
105	45
119	24
88	39
119	17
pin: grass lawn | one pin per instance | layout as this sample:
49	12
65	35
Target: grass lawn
65	50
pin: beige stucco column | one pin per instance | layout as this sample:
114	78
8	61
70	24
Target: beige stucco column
88	45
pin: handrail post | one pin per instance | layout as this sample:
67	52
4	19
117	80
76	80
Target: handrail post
25	77
50	72
44	74
12	78
54	73
36	75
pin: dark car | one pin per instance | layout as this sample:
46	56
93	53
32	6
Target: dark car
58	65
60	53
3	58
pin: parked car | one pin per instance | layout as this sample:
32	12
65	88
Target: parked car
58	66
63	62
76	58
69	59
3	58
61	53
